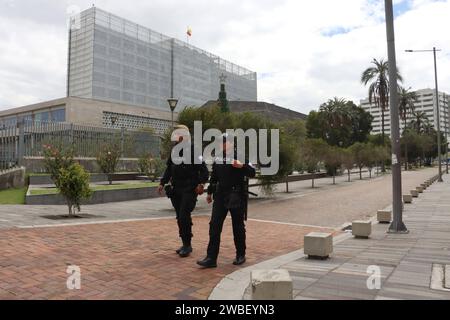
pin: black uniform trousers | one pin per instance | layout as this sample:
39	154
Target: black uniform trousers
219	213
184	201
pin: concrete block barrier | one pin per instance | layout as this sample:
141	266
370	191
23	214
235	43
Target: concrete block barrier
318	245
361	229
384	216
407	198
271	285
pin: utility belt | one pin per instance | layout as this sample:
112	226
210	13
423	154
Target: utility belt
229	189
220	189
184	186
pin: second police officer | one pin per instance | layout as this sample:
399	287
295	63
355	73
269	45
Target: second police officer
228	188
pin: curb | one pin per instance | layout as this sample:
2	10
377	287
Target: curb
233	285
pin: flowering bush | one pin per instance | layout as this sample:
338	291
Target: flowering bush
56	158
108	158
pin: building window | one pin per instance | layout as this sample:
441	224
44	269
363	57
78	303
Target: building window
59	115
128	121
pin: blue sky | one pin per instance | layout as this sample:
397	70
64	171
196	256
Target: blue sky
305	52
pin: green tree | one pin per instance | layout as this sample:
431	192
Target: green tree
339	122
312	153
55	158
359	156
333	160
348	161
290	135
369	157
108	158
73	184
150	166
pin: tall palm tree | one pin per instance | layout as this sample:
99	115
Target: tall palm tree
335	111
419	121
406	106
406	100
378	77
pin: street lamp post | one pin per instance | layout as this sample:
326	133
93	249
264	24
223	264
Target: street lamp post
438	118
172	104
397	225
446	118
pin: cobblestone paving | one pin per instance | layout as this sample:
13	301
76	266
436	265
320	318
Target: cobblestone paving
127	260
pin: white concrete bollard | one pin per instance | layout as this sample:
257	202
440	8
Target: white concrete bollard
318	245
271	285
384	216
407	198
361	229
414	193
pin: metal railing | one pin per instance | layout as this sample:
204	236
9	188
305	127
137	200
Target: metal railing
28	138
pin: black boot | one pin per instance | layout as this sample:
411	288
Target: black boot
186	249
207	263
179	249
239	260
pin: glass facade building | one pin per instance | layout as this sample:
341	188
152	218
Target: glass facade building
116	60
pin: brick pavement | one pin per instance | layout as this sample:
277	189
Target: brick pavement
127	260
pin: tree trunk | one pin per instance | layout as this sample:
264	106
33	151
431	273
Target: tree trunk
383	167
312	180
370	173
334	176
360	173
406	145
70	208
348	173
406	156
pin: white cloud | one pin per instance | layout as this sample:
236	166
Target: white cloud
286	42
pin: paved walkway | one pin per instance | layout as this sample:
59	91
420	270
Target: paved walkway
128	260
128	252
302	205
405	260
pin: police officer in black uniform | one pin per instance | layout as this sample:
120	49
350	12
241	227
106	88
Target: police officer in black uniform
227	185
186	183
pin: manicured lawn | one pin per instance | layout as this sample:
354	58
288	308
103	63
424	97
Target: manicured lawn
100	187
13	196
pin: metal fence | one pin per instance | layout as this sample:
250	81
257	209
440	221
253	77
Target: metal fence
27	139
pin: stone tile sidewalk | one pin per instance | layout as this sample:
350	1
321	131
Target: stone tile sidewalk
128	260
405	260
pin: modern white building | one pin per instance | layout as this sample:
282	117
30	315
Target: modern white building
425	102
116	60
120	75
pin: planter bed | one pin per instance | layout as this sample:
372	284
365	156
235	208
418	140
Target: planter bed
94	177
99	196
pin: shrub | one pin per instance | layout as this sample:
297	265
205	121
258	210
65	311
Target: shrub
56	158
73	184
108	158
151	167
